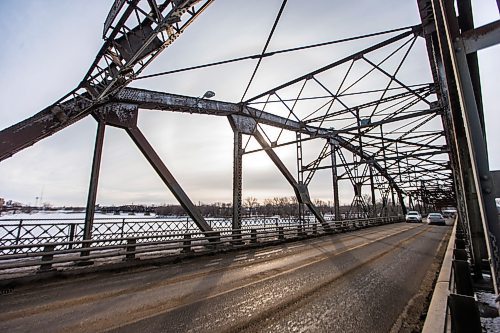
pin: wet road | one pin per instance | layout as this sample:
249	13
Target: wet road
355	282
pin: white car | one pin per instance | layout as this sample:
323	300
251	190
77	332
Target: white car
413	216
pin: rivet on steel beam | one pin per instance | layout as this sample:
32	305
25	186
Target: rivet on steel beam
484	177
487	190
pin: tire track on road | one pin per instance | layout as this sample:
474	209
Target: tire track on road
266	276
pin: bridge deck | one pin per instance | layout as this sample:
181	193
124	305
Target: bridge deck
355	282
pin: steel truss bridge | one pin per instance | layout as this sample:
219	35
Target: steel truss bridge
415	146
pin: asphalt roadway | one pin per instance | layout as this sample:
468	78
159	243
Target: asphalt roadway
355	282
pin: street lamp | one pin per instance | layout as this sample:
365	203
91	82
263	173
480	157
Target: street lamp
208	94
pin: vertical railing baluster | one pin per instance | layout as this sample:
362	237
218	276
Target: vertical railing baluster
122	227
71	234
18	236
281	233
253	236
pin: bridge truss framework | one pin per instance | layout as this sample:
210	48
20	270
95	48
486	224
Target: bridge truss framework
419	146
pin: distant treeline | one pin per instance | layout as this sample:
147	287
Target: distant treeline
282	206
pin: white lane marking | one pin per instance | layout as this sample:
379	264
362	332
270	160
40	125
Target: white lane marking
212	264
295	246
268	252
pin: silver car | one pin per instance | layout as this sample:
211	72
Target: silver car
436	218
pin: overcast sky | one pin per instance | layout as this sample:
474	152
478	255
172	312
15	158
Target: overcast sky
49	45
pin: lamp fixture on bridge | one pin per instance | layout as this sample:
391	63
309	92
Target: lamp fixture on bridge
208	94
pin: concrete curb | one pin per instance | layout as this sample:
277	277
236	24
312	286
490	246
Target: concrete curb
436	319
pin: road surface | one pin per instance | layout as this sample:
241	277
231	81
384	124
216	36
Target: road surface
355	282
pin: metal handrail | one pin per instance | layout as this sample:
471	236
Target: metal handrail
46	255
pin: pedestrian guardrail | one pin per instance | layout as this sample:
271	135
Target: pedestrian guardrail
454	306
54	253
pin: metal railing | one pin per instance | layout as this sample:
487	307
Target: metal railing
454	306
40	231
49	245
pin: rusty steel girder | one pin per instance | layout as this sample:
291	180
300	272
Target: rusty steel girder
131	43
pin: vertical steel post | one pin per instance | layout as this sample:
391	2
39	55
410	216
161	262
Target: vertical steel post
237	178
400	195
466	111
382	140
94	180
424	197
467	201
466	22
393	199
300	174
401	202
480	171
335	180
372	187
419	205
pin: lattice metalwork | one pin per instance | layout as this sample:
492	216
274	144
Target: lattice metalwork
396	128
116	230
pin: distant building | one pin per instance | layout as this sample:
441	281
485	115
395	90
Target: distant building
13	204
2	202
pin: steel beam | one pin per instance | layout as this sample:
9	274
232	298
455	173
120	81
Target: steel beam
468	206
169	180
301	191
300	174
467	111
125	116
49	121
475	40
372	188
353	56
481	170
423	90
135	41
237	178
127	51
481	37
335	179
413	114
94	180
154	100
